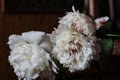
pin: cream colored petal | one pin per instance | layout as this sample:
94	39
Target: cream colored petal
33	36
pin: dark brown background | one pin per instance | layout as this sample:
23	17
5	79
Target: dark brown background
18	23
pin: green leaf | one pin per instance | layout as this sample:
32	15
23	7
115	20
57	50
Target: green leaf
108	24
106	28
118	26
106	50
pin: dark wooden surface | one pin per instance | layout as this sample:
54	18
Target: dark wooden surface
18	23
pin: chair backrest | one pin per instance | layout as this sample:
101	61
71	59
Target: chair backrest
111	8
98	8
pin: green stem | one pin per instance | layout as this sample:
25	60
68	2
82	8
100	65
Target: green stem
112	35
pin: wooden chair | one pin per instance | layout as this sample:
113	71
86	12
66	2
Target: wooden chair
91	7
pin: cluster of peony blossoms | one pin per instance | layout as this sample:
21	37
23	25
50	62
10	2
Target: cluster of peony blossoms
73	44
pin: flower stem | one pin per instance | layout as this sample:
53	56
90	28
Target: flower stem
112	35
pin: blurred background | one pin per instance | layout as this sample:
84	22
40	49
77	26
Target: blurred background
17	16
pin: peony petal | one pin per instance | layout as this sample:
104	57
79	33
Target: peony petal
72	49
14	39
78	21
33	36
46	43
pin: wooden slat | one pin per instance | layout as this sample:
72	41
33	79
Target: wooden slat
111	9
92	7
2	6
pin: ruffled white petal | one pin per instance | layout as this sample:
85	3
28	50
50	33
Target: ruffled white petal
46	43
30	56
14	39
78	21
72	49
33	36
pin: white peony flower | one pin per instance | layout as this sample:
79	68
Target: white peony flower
29	54
78	21
72	49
